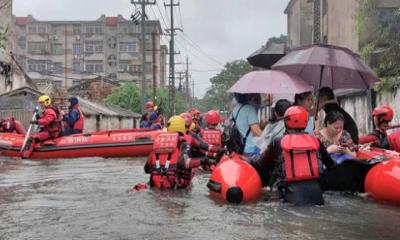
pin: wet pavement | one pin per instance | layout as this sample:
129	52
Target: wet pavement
89	199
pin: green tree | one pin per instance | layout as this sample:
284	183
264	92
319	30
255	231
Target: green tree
216	96
128	96
3	38
379	33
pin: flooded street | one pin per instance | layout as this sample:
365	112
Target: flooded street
89	199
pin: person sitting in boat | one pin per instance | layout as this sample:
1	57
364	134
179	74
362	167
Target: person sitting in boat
276	127
306	100
328	103
10	125
196	120
199	146
154	121
144	121
336	140
211	134
170	164
74	120
378	138
295	161
49	124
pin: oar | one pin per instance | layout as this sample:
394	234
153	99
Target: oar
28	133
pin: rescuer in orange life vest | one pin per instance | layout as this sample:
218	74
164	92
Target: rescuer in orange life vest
49	123
74	120
382	116
211	134
170	164
11	125
199	146
294	160
196	120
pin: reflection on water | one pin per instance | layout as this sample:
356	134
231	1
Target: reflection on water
88	199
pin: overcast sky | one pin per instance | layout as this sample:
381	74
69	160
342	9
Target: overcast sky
215	31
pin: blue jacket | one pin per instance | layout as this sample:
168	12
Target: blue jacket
72	117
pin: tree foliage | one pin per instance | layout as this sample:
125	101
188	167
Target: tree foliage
128	96
379	30
3	38
216	96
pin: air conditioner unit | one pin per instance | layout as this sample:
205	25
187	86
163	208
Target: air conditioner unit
55	37
77	37
76	57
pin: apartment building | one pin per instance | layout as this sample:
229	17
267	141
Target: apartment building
65	53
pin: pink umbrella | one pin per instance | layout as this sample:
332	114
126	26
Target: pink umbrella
328	66
270	81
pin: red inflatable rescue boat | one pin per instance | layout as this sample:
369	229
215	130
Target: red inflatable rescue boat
235	181
115	143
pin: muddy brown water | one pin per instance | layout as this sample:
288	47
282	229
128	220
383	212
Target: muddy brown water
89	199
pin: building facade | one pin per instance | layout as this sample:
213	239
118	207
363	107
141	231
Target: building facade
335	22
65	53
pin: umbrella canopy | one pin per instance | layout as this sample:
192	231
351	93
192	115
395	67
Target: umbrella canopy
328	66
266	56
270	82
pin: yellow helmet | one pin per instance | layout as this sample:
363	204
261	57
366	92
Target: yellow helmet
46	100
176	124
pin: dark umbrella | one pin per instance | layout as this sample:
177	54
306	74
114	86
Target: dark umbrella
328	66
266	56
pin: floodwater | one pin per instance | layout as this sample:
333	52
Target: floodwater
89	199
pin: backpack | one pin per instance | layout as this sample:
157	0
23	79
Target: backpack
232	138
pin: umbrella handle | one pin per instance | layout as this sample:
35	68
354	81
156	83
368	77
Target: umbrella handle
319	87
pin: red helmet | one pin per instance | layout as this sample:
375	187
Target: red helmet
384	113
149	104
296	117
188	119
196	113
212	117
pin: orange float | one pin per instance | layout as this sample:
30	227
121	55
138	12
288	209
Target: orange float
235	181
114	143
383	181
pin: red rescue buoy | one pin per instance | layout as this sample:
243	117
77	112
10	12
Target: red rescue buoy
235	181
383	181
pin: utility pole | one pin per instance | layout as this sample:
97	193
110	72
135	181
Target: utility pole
317	21
154	66
172	59
192	92
143	3
187	83
180	80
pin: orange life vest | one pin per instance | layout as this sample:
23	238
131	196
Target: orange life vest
165	173
54	128
78	125
300	157
212	136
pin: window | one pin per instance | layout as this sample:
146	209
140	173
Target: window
76	67
94	47
37	28
128	28
76	82
22	42
37	47
128	47
94	28
76	29
76	49
94	67
57	83
37	66
57	68
125	66
57	49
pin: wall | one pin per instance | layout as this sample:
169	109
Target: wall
356	106
340	24
299	20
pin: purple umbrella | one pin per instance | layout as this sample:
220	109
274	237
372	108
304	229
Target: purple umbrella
328	66
273	82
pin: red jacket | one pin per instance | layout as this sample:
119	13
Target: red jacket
50	121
